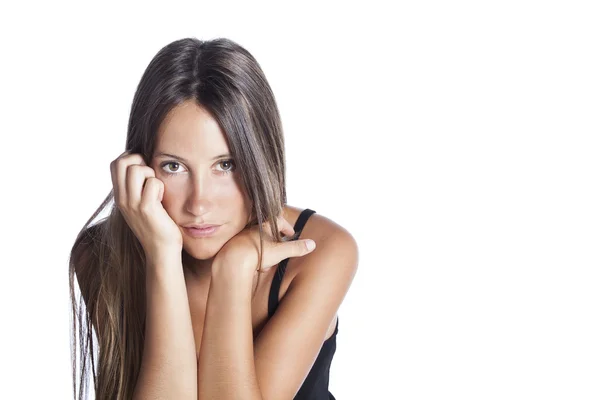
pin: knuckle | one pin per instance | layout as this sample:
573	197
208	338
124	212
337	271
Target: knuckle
133	208
145	209
303	245
131	172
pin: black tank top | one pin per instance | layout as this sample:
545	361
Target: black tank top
316	384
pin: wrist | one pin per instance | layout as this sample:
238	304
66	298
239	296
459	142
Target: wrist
232	269
164	257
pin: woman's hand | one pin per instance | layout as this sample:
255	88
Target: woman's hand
242	250
138	195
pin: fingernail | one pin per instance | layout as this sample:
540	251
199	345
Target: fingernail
310	245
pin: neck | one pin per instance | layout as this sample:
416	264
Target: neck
194	268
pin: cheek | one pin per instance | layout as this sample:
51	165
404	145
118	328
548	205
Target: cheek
171	194
237	201
231	191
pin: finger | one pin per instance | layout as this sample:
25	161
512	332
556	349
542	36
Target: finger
280	251
136	179
151	193
297	248
285	227
119	174
123	164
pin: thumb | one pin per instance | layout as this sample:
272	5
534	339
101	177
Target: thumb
301	247
281	251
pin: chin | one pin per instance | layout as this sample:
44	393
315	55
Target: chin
204	255
199	252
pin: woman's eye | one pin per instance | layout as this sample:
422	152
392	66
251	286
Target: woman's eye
169	170
227	165
173	168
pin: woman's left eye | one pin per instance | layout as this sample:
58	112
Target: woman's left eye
227	169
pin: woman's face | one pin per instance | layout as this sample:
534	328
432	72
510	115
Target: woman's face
202	183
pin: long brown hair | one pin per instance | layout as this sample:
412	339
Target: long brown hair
108	260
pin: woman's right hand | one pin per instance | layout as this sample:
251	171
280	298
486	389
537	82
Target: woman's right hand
138	194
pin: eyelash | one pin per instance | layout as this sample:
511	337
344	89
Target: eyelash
177	173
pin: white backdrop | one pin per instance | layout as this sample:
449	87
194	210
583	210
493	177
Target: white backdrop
457	141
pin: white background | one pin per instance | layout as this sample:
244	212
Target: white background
457	141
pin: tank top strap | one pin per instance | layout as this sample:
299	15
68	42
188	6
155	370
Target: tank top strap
278	277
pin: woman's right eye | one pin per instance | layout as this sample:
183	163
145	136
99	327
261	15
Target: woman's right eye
170	172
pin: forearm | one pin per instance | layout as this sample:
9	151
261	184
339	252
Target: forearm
168	369
226	363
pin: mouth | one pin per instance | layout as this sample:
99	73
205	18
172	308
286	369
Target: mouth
201	226
204	231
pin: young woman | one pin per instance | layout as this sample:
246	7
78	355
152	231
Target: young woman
202	282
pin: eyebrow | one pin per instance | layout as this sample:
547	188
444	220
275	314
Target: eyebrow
163	154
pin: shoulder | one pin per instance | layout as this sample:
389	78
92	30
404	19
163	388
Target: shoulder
318	227
85	267
334	258
88	243
88	254
82	251
288	345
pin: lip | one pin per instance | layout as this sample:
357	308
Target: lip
204	232
201	226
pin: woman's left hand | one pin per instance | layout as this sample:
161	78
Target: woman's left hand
242	250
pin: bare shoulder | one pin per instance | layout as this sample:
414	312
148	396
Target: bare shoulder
324	276
307	313
318	226
332	239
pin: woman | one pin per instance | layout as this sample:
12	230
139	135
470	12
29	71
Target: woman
189	313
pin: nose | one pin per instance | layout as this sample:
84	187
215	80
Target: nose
199	199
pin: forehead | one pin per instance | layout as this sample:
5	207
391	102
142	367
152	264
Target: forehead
191	129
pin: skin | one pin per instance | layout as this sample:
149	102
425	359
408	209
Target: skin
202	191
239	353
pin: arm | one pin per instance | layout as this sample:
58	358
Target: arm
231	365
168	369
226	361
